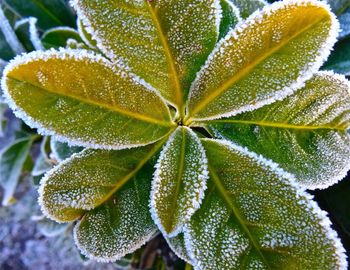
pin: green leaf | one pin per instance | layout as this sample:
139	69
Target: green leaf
177	245
9	43
342	9
58	37
50	13
163	42
3	119
339	60
41	165
306	133
27	34
255	217
247	7
62	151
109	191
50	228
85	36
83	99
230	17
179	181
12	160
266	58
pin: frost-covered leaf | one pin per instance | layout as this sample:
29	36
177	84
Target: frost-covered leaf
266	58
177	245
109	192
85	36
27	34
230	17
163	42
179	181
41	165
62	150
255	217
247	7
9	43
50	228
339	60
306	133
82	98
58	37
12	160
50	13
3	120
342	9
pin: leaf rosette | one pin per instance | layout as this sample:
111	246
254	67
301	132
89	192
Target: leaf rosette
247	80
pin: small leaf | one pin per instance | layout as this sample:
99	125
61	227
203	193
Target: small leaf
85	36
83	99
339	60
109	191
306	133
57	37
50	13
3	120
50	228
179	181
9	43
62	151
255	217
247	7
163	42
342	9
230	17
263	60
177	245
41	165
12	160
27	34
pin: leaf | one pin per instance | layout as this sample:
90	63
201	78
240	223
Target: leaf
27	34
306	133
83	99
255	217
41	165
177	245
9	43
50	228
12	159
58	36
263	60
85	36
342	9
179	181
3	119
50	13
339	60
247	7
109	192
230	17
163	42
62	151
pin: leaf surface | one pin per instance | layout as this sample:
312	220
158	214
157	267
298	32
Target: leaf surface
27	34
163	42
12	160
177	245
50	13
306	133
229	18
179	181
58	37
264	59
83	99
247	7
339	60
109	192
254	217
62	151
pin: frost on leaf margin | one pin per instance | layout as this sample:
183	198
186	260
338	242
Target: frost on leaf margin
179	181
306	133
83	99
247	7
244	72
163	42
229	19
177	245
256	216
